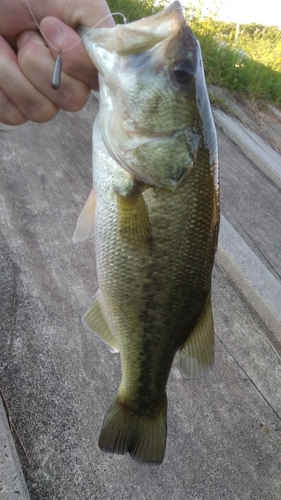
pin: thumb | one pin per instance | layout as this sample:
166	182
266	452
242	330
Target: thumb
75	60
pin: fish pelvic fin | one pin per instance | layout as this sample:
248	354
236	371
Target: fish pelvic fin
133	220
197	353
142	435
85	226
95	321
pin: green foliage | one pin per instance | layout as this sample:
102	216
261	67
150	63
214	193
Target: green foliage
251	67
134	9
261	43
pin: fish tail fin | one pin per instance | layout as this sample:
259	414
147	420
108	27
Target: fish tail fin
143	436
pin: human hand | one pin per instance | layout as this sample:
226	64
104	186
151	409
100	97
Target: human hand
27	61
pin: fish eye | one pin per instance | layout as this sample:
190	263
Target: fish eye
182	72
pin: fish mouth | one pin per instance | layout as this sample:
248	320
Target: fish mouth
104	45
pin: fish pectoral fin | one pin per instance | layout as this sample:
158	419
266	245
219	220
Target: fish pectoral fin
85	226
197	353
95	321
133	220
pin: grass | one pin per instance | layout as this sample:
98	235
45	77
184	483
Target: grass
252	69
134	9
219	102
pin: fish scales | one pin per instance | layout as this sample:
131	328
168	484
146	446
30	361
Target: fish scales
155	220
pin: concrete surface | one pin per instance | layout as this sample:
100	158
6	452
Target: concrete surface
224	432
256	282
12	482
251	203
255	148
264	120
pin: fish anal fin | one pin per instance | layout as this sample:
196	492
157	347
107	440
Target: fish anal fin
197	353
133	220
142	435
85	226
95	321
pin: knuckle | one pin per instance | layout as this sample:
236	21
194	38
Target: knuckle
30	52
75	98
9	113
26	57
42	113
13	119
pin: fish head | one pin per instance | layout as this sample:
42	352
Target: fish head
154	107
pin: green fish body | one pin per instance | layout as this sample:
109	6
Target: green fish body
154	214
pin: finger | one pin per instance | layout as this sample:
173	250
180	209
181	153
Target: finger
37	64
18	89
16	17
9	114
75	60
88	13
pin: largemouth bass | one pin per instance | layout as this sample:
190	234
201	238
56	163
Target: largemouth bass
154	214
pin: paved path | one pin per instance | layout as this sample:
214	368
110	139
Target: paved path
224	432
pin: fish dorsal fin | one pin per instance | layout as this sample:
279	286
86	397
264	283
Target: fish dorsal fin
133	220
95	321
197	353
85	226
